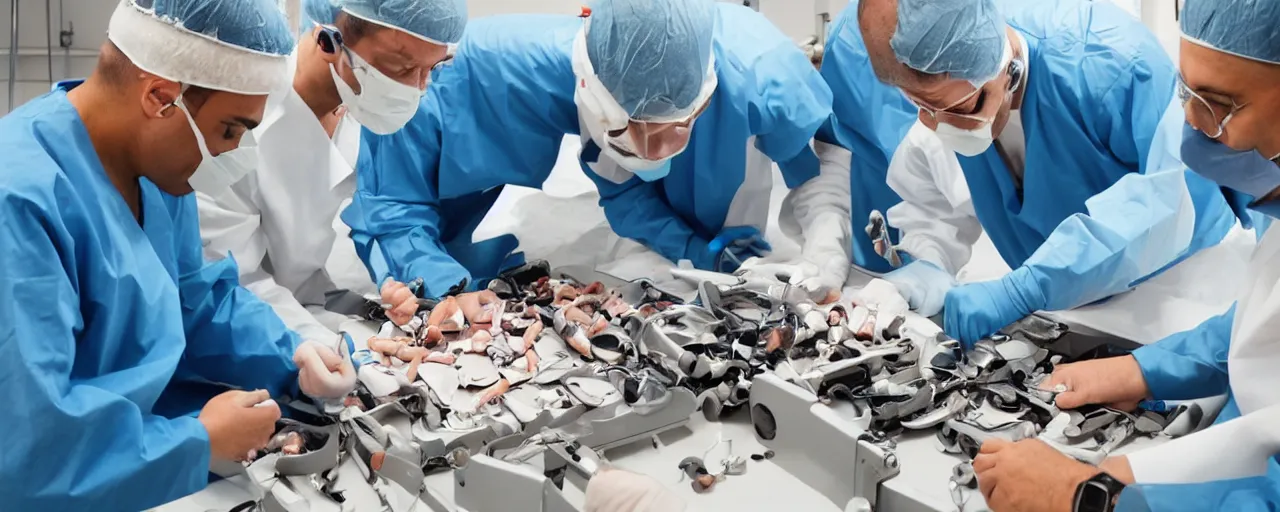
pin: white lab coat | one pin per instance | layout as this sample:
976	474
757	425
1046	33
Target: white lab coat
278	221
1242	447
938	224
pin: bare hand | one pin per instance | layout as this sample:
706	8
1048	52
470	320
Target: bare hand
473	306
1118	468
1116	382
1028	476
400	301
615	490
235	426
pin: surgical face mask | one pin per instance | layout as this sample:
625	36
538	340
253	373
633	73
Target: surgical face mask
1247	172
647	170
384	105
218	173
965	142
654	174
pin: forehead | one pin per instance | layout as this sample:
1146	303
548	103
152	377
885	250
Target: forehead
397	44
936	90
229	104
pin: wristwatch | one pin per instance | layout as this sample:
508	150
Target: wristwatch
1097	494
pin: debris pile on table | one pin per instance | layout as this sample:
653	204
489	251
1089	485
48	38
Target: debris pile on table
901	372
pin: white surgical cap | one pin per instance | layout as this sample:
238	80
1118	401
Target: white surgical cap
239	46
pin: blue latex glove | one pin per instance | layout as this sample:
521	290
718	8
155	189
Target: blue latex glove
923	284
977	310
735	245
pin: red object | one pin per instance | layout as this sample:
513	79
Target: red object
586	11
376	460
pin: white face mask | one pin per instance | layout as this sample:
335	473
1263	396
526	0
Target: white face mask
384	105
217	173
965	142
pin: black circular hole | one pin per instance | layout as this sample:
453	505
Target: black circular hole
763	421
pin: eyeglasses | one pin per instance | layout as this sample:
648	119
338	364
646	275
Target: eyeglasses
1202	113
1016	70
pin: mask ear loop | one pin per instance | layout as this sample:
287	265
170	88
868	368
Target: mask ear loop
175	101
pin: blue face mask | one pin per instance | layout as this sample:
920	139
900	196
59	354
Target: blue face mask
1247	172
656	173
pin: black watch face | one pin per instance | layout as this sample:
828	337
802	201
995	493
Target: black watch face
1094	498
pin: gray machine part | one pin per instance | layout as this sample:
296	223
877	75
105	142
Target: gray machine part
313	462
499	485
619	425
816	444
486	483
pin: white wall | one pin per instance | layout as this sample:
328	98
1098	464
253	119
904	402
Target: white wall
90	20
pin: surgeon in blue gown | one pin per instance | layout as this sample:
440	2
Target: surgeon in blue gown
870	120
683	107
125	352
1066	127
1230	64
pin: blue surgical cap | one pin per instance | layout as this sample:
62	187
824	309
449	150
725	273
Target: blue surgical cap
239	46
437	21
963	38
258	25
1247	28
651	55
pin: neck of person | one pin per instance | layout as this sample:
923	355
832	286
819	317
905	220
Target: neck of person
314	84
113	139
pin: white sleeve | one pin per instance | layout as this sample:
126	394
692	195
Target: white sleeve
231	223
936	216
1239	448
817	214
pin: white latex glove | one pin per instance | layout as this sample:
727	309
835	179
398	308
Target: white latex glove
615	490
323	374
817	215
826	248
923	284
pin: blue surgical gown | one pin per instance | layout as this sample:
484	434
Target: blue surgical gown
496	114
1098	107
1186	366
870	120
116	333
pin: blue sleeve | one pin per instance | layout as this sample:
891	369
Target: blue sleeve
1190	364
637	210
74	443
870	118
794	102
232	336
1255	493
395	216
1145	222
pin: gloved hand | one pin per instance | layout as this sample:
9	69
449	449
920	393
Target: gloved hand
827	248
977	310
821	286
323	374
735	245
615	490
924	285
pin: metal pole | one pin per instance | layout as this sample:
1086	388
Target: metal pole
13	52
48	35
